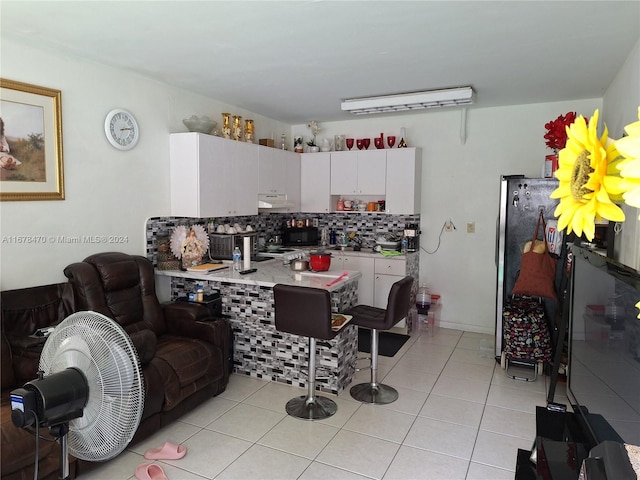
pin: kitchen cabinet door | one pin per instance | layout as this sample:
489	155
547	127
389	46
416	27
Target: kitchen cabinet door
315	182
212	176
344	173
271	171
358	173
243	186
404	180
279	170
341	261
387	272
365	283
372	171
382	287
292	175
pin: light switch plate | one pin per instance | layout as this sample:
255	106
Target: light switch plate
471	227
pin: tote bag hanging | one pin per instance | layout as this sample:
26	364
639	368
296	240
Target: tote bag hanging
537	268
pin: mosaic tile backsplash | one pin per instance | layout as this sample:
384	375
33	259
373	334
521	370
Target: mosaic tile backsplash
367	225
261	351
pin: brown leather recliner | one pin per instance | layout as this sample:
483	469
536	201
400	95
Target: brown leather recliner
23	312
183	352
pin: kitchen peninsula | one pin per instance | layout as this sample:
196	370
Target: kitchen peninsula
260	350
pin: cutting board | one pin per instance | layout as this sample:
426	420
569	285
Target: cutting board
207	267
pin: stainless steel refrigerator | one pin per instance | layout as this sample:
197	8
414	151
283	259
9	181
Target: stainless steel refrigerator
521	200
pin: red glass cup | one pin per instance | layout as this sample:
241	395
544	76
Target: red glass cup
366	142
359	144
391	140
349	143
378	142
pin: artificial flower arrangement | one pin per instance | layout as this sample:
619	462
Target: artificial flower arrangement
315	129
556	136
590	183
596	174
189	245
629	148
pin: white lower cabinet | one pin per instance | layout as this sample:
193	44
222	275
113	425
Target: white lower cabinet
378	275
387	272
365	265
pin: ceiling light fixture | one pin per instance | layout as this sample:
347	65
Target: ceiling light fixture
448	97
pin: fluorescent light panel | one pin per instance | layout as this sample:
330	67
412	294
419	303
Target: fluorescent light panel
449	97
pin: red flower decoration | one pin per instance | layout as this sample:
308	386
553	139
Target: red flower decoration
556	136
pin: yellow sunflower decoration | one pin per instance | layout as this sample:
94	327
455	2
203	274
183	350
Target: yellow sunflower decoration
589	179
629	167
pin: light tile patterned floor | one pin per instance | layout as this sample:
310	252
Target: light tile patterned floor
458	417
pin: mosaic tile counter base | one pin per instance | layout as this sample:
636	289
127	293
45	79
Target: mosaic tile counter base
261	351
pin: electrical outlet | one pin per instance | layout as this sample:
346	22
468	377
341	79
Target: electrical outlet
448	226
471	227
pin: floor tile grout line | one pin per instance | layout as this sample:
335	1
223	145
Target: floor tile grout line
419	410
400	444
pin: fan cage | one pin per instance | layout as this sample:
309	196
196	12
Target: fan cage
104	353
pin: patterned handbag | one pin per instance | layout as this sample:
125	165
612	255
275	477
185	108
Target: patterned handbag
526	335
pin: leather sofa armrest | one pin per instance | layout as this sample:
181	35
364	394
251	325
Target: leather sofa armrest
185	310
216	331
145	342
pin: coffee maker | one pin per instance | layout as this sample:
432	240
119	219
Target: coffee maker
412	234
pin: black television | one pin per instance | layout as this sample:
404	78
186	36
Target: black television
603	383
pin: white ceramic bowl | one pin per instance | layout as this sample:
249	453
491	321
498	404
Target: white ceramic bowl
201	125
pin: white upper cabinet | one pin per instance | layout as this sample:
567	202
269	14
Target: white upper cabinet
315	183
358	172
404	180
212	176
279	172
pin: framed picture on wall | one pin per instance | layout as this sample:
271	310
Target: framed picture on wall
31	165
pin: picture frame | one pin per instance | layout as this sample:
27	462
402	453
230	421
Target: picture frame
31	165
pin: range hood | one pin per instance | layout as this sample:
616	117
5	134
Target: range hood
269	201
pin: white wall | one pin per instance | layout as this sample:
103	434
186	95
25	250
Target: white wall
113	193
461	181
620	107
108	192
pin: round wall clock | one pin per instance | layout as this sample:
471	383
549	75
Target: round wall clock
121	129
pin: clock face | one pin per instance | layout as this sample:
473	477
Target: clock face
121	129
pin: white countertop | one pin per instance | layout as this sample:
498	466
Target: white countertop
269	274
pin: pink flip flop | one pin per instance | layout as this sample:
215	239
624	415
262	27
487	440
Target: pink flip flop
150	471
168	451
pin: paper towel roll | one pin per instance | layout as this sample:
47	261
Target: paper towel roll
246	255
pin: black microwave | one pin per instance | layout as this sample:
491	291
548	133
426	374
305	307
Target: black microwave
300	237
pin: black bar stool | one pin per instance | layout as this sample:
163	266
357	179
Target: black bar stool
306	311
380	319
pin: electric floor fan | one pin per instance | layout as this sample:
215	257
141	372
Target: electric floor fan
89	390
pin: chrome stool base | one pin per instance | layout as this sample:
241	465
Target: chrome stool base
378	394
317	409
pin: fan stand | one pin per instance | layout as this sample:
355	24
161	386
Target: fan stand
60	431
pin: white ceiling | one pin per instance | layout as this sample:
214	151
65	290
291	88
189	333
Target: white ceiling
297	60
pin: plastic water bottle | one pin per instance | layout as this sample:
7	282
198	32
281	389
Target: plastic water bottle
405	244
237	259
423	300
